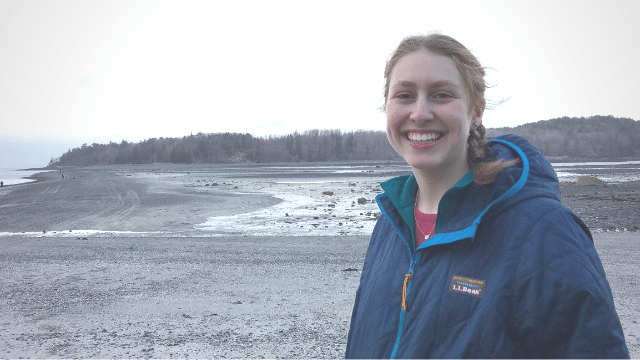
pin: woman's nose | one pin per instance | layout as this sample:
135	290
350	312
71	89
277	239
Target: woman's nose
422	110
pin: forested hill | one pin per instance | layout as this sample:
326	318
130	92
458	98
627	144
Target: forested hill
597	137
311	145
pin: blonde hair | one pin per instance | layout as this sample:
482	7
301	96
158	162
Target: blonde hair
472	73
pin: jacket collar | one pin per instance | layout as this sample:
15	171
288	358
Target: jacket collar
477	200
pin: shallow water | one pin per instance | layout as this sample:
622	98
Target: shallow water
304	213
15	176
612	172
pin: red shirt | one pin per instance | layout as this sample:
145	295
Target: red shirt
424	222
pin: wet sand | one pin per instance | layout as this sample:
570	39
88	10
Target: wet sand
122	199
125	262
170	199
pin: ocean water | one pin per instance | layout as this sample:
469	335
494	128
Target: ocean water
611	172
16	176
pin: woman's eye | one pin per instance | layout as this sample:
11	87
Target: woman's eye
404	96
442	96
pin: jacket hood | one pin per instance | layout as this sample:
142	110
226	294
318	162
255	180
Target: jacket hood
532	176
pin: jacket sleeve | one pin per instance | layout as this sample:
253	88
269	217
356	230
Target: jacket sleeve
563	303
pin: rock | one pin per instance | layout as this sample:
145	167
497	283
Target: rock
329	193
589	181
362	201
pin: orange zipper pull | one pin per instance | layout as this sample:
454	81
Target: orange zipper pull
404	291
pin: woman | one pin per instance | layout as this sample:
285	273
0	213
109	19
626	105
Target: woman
474	255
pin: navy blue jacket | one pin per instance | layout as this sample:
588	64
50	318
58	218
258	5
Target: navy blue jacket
510	273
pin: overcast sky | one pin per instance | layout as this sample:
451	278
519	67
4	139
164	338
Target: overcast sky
74	72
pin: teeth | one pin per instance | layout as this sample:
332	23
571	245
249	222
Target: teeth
423	136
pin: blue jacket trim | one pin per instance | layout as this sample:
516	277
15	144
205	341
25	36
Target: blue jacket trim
470	231
394	353
395	227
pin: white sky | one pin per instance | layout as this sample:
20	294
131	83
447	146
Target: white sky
95	71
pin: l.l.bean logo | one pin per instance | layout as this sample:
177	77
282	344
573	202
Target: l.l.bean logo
468	286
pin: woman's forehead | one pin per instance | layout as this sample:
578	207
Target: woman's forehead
425	66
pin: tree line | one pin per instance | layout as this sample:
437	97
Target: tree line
309	146
594	137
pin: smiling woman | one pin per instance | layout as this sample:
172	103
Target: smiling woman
437	77
416	97
504	269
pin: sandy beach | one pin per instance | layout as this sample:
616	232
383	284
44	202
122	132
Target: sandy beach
170	261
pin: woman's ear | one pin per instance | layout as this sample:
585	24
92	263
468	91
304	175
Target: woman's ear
476	116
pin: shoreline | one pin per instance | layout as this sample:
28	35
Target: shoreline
295	191
180	199
109	200
13	177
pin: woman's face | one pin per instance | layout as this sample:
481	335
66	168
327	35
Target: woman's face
428	115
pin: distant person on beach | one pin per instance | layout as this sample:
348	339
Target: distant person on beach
1	183
474	255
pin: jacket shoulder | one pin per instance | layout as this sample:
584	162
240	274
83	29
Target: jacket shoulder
558	272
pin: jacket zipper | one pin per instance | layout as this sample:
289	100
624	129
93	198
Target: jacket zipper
407	277
408	281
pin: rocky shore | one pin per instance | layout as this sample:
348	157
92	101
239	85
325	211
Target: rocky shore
605	206
127	262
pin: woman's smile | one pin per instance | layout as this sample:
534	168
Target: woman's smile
422	137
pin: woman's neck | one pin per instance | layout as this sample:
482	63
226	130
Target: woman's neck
432	184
